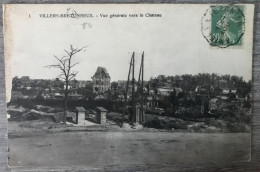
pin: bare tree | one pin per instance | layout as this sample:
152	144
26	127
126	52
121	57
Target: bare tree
65	65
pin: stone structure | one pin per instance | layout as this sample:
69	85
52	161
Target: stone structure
101	115
101	81
80	116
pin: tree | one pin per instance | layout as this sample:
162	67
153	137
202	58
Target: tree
173	99
154	85
114	86
16	82
65	65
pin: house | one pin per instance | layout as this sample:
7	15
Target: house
130	88
58	96
201	89
225	90
46	95
233	90
17	95
226	87
165	91
101	80
25	79
82	84
30	93
73	94
213	104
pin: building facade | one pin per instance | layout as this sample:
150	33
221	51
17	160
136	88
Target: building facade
101	81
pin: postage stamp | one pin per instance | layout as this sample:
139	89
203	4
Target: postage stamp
224	25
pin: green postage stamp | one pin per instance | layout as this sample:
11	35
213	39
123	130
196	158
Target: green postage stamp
224	25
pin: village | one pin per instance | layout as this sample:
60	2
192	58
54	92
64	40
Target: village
195	103
133	117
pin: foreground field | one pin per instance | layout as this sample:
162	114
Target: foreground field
95	149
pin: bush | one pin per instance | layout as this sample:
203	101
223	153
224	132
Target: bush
15	115
181	126
26	103
116	117
236	127
154	123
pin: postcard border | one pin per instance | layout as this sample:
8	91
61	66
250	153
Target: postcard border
253	165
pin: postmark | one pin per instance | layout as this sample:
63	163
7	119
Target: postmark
224	25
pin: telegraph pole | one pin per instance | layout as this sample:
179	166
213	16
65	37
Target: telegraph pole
127	85
133	115
142	89
133	88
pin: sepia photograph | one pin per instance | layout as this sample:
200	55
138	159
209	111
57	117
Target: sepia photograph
102	85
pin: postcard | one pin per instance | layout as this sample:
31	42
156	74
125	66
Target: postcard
113	85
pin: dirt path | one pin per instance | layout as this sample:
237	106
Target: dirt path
113	148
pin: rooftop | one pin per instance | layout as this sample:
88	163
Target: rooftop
102	109
101	72
80	109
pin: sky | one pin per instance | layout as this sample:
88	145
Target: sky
172	44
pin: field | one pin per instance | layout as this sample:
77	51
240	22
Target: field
102	149
36	140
